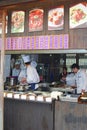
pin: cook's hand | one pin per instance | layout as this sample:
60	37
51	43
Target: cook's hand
73	87
63	78
23	80
83	91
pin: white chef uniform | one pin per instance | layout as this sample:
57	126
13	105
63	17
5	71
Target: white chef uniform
70	79
32	74
23	74
15	72
81	81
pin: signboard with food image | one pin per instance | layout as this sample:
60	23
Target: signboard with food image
78	15
36	20
56	18
17	21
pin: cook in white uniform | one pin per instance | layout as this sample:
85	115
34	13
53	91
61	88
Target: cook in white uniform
32	77
22	74
70	79
16	70
80	77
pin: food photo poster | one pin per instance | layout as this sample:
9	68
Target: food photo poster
36	19
56	18
17	21
78	15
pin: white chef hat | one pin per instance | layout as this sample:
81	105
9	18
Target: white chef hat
26	58
34	63
17	63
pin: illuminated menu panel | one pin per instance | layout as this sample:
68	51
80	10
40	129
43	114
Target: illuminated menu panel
36	20
78	15
46	42
56	18
37	42
17	21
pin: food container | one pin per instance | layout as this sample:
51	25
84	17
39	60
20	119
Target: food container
9	95
48	99
40	98
5	94
83	98
23	96
32	97
12	80
17	95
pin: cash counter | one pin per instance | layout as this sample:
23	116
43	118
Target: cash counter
39	114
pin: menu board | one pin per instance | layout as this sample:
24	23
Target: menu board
78	15
56	18
46	42
41	42
37	42
51	42
17	21
8	44
24	43
33	42
36	20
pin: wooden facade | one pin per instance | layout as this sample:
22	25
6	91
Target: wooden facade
77	40
77	36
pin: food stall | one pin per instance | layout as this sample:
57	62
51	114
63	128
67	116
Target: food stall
46	28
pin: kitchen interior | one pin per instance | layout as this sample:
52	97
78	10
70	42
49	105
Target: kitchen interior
50	99
47	63
49	66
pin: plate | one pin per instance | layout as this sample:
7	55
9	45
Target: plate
84	98
50	24
55	18
78	15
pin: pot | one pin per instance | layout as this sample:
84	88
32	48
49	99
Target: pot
13	80
44	86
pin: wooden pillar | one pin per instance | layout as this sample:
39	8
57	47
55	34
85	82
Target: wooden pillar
2	69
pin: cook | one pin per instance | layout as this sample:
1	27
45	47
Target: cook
32	76
70	79
80	78
62	76
16	70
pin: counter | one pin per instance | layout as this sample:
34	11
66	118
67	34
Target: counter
70	116
62	113
37	115
28	115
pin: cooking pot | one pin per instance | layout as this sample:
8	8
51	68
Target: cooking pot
12	80
44	86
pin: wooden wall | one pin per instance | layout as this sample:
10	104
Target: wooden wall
77	37
70	116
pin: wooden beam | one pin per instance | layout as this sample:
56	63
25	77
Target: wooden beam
2	70
12	2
